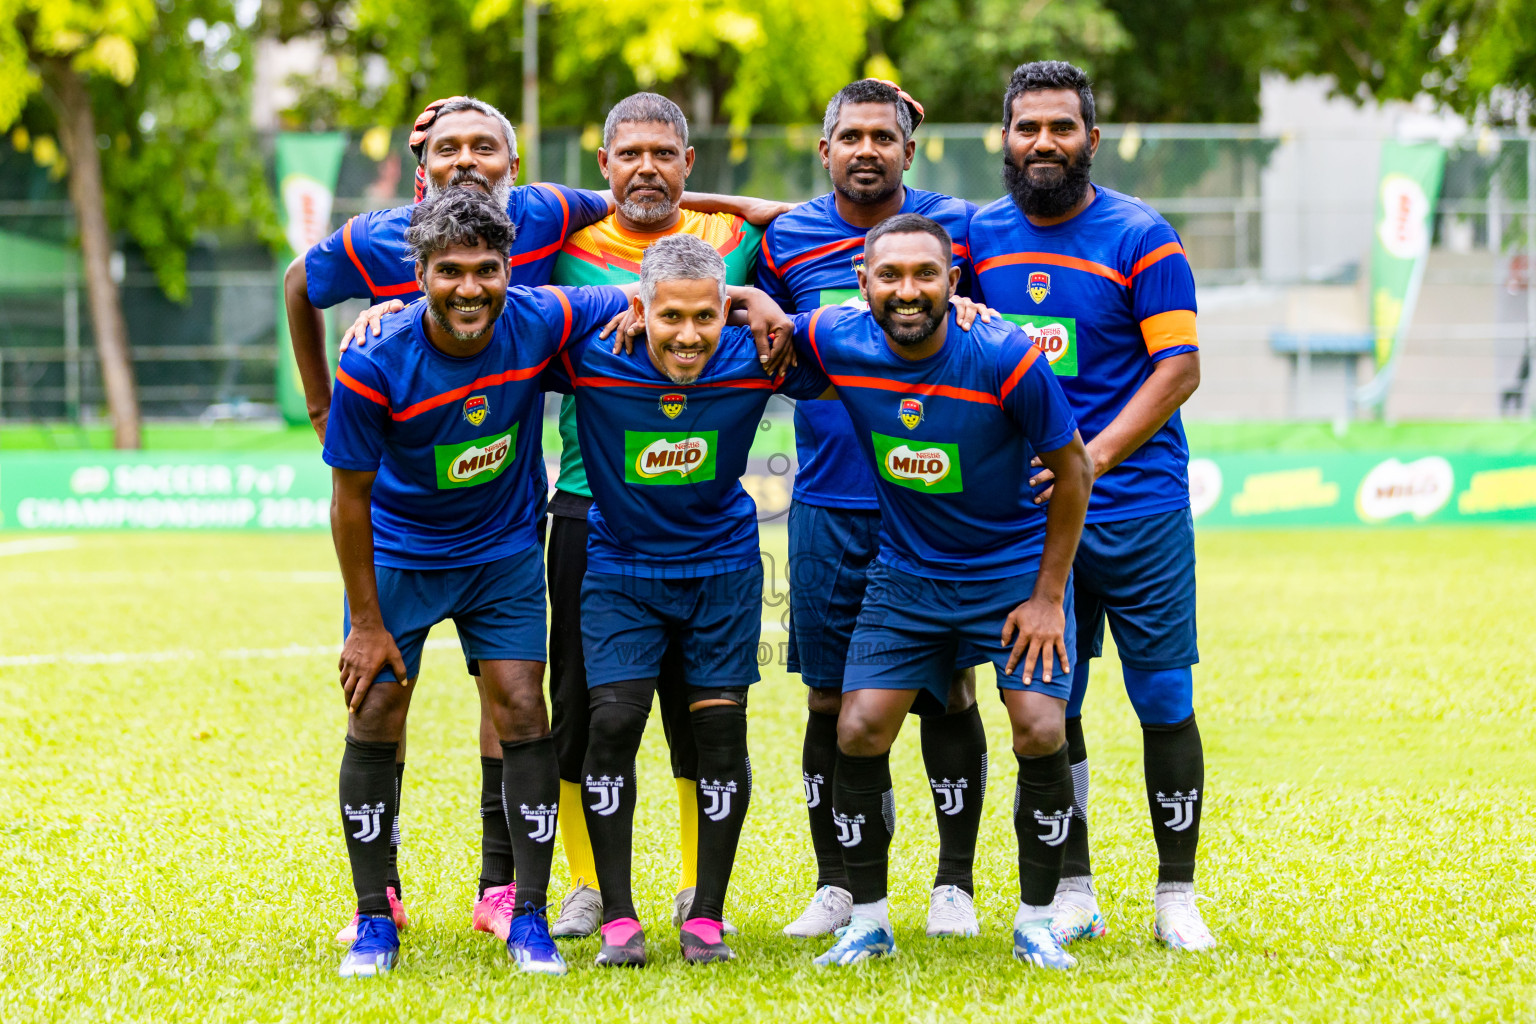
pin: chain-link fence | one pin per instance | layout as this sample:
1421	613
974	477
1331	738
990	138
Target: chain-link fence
1277	227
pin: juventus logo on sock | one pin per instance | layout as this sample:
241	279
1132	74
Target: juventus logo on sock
542	818
367	819
1054	826
850	830
1183	807
812	784
606	789
717	798
951	795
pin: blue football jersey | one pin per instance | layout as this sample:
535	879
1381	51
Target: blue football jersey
366	258
950	438
664	460
807	260
1106	295
456	442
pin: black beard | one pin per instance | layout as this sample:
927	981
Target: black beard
1049	201
440	314
908	336
866	196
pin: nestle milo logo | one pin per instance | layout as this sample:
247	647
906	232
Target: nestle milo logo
470	463
1056	336
662	458
932	467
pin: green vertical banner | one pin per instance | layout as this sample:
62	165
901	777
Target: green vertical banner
1406	195
307	169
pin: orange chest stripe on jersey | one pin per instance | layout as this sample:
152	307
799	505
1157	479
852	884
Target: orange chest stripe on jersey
1052	259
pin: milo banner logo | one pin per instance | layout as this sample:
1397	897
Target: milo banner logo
658	458
1409	188
1056	336
307	168
932	467
471	463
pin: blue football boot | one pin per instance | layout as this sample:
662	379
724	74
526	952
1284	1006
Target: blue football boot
1035	943
530	945
374	951
861	939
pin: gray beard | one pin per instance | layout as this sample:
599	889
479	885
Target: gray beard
646	213
501	193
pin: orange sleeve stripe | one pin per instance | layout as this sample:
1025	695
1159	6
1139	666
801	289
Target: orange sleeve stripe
815	317
1054	260
1163	331
565	303
768	256
523	258
403	288
346	242
1157	255
1018	372
351	383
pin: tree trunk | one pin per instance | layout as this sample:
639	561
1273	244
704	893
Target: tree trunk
77	134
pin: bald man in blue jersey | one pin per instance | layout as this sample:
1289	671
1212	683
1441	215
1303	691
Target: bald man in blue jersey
1101	282
969	569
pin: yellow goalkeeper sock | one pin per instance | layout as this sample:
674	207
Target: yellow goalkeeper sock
688	831
573	833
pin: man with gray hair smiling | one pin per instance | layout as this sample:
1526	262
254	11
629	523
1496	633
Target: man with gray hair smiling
672	561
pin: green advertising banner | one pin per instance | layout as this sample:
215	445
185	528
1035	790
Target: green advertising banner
105	490
307	168
1406	194
164	491
1362	489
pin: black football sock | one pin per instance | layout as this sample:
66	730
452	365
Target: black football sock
367	792
608	799
530	791
1042	812
393	875
955	757
725	788
818	766
864	813
496	860
1075	863
1175	770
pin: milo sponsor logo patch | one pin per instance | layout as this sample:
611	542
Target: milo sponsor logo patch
660	458
932	467
843	296
1056	336
471	463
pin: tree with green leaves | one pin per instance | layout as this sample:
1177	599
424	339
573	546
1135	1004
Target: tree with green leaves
148	102
729	61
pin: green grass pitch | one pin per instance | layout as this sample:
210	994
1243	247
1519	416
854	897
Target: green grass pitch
170	849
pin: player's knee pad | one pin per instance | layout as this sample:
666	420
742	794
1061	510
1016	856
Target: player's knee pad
1160	696
616	725
1079	687
720	728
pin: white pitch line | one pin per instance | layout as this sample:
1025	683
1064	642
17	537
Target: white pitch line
33	545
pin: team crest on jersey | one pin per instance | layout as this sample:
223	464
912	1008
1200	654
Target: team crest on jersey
673	403
857	260
1039	285
475	409
911	412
